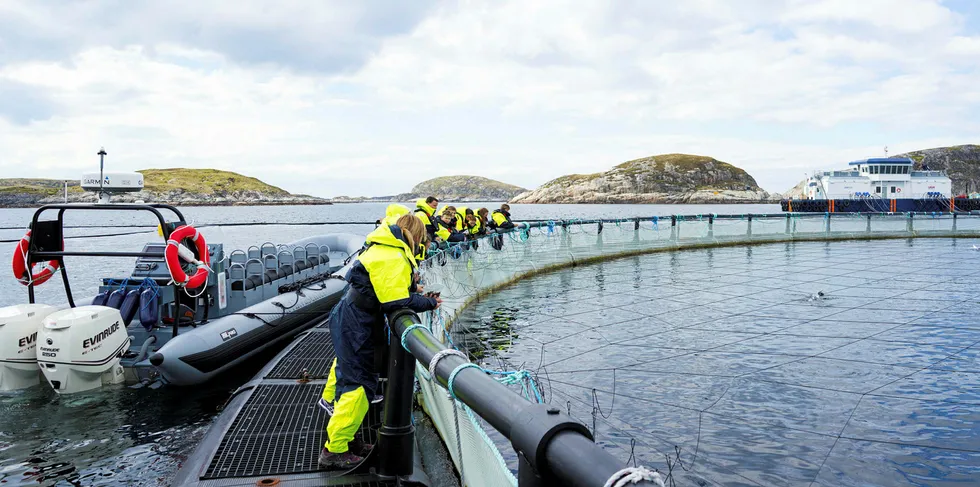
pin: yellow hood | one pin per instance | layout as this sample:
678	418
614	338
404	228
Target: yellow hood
420	204
395	210
391	236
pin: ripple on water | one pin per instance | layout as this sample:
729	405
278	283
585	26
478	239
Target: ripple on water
115	436
722	362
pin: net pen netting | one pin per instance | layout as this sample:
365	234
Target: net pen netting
596	337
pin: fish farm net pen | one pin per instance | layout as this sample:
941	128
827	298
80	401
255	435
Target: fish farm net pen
467	278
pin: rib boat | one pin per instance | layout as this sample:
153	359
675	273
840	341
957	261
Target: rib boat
188	311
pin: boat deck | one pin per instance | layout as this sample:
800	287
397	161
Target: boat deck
272	429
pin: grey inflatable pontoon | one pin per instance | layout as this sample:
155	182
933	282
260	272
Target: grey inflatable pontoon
272	294
251	300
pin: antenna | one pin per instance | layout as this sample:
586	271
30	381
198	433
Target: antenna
886	151
102	153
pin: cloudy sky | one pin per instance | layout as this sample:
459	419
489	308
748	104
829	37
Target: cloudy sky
371	97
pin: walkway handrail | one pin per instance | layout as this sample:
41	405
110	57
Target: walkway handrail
552	448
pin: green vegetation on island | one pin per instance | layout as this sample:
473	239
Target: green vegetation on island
175	185
465	188
666	178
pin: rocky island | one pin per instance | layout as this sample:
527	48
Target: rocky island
667	178
961	163
187	187
464	188
449	188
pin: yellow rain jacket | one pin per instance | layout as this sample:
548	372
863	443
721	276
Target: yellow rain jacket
393	213
501	219
460	218
425	212
381	281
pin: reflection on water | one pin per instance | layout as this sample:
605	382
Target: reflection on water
726	367
493	334
114	436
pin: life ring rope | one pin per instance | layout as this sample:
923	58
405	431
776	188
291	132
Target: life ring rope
24	271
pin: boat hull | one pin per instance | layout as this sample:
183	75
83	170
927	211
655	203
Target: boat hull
874	205
200	354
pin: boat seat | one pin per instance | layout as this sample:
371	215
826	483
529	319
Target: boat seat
251	282
273	274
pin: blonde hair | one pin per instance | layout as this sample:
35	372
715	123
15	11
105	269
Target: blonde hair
413	229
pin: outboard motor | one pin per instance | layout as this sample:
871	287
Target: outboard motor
18	345
79	348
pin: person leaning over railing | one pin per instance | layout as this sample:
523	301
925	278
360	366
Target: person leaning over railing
392	214
501	218
481	215
381	281
447	223
425	210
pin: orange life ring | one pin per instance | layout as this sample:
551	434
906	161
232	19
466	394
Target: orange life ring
20	265
172	257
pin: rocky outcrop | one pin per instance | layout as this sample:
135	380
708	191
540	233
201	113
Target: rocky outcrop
463	188
187	187
667	178
961	163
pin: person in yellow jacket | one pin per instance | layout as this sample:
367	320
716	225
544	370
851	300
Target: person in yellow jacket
461	213
501	218
392	214
481	221
381	281
425	209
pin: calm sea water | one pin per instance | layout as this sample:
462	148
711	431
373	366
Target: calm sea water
139	437
724	367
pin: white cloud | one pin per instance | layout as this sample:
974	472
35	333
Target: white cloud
514	90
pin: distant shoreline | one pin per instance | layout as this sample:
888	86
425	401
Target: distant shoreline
330	203
190	204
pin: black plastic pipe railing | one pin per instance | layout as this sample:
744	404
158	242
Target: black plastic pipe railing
718	216
552	448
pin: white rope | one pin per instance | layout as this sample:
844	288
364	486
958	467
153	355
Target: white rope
187	277
634	475
441	355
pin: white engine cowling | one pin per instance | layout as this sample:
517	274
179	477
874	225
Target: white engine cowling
18	345
79	348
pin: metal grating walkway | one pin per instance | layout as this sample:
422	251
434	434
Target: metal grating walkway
313	354
279	430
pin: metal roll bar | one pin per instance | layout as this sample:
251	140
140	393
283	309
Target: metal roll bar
33	255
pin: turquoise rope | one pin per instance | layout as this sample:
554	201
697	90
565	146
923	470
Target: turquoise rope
456	371
409	330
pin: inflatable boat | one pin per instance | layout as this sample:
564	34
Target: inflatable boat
188	311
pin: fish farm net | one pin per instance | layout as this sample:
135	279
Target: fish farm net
792	362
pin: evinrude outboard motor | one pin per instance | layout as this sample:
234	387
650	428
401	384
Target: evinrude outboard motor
18	345
79	348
